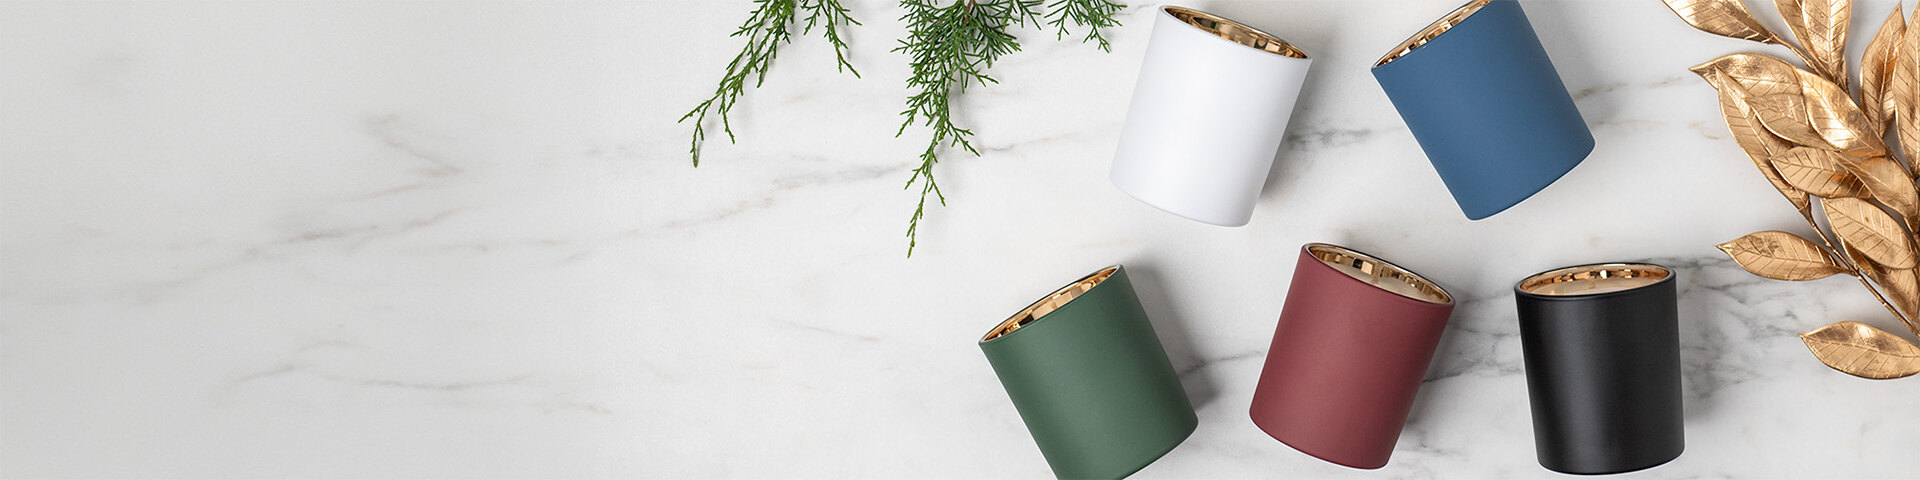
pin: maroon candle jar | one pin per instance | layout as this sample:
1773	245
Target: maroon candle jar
1352	346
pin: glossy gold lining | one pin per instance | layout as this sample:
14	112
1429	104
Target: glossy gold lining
1051	302
1378	272
1236	32
1594	279
1433	31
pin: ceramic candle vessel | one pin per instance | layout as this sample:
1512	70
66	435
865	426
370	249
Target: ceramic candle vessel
1209	111
1354	340
1089	377
1602	346
1478	92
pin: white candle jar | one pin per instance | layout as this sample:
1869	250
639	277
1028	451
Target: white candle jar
1208	115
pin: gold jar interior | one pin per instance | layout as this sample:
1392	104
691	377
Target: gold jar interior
1433	31
1594	279
1379	273
1235	32
1051	302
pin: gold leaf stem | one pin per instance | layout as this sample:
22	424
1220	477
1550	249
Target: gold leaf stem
1857	274
1804	57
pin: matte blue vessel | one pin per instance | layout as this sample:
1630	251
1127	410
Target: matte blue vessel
1483	100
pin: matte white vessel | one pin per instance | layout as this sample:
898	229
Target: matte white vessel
1208	114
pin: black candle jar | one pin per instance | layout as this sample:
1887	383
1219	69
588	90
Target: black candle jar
1602	347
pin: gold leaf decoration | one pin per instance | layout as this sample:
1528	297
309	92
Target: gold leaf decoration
1818	172
1863	351
1876	71
1727	18
1785	114
1755	140
1832	113
1821	26
1901	286
1878	236
1780	256
1760	75
1886	181
1811	138
1906	90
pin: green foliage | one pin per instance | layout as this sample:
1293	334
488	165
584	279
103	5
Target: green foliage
951	43
769	27
1093	14
951	47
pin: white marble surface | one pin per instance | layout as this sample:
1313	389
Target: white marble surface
452	240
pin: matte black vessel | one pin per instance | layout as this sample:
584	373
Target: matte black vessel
1602	347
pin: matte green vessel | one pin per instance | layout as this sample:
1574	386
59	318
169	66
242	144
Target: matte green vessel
1090	379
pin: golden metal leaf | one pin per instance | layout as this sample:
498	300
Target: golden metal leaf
1863	351
1785	114
1759	74
1876	71
1821	26
1727	18
1818	172
1906	90
1832	113
1886	181
1862	224
1902	286
1755	140
1780	256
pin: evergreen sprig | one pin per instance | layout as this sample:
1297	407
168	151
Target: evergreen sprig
1093	14
952	46
766	29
